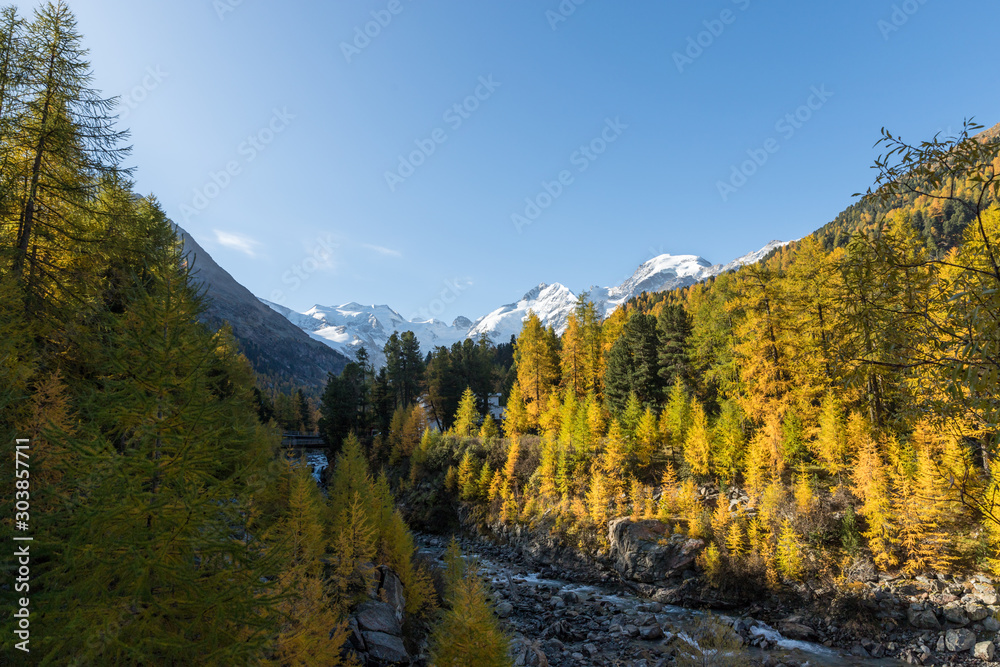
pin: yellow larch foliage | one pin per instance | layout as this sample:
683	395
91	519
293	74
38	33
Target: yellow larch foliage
485	482
805	497
831	443
789	556
870	484
647	438
413	429
757	470
635	496
451	480
698	445
734	540
513	453
595	418
710	561
721	519
771	502
468	632
613	460
923	507
597	499
537	366
496	487
467	416
668	494
550	415
467	477
648	505
489	430
548	466
516	420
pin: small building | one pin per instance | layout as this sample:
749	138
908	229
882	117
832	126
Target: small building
496	410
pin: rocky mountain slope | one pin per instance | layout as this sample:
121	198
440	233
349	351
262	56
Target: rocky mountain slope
273	344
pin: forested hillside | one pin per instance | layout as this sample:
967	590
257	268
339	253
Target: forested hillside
829	411
157	520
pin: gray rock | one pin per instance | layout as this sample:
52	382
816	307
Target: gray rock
923	619
651	632
795	630
505	609
569	597
378	617
959	640
984	650
985	592
354	638
991	624
391	591
976	612
387	648
553	645
646	551
954	613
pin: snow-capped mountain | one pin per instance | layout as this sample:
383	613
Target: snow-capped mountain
348	327
552	304
660	274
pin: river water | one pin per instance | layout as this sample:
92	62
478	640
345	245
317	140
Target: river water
316	459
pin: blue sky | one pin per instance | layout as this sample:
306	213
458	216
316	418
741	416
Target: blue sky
267	130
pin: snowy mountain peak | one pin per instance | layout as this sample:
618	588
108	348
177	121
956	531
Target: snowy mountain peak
753	257
551	303
661	273
534	292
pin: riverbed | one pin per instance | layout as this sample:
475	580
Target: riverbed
559	621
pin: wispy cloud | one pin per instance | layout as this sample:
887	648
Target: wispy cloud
388	252
244	244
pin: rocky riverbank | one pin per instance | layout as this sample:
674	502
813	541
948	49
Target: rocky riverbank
944	619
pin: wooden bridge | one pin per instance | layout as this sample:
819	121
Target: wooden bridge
297	439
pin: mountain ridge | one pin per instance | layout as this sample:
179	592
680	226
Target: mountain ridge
350	326
272	343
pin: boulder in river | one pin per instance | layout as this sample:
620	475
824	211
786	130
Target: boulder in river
646	551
